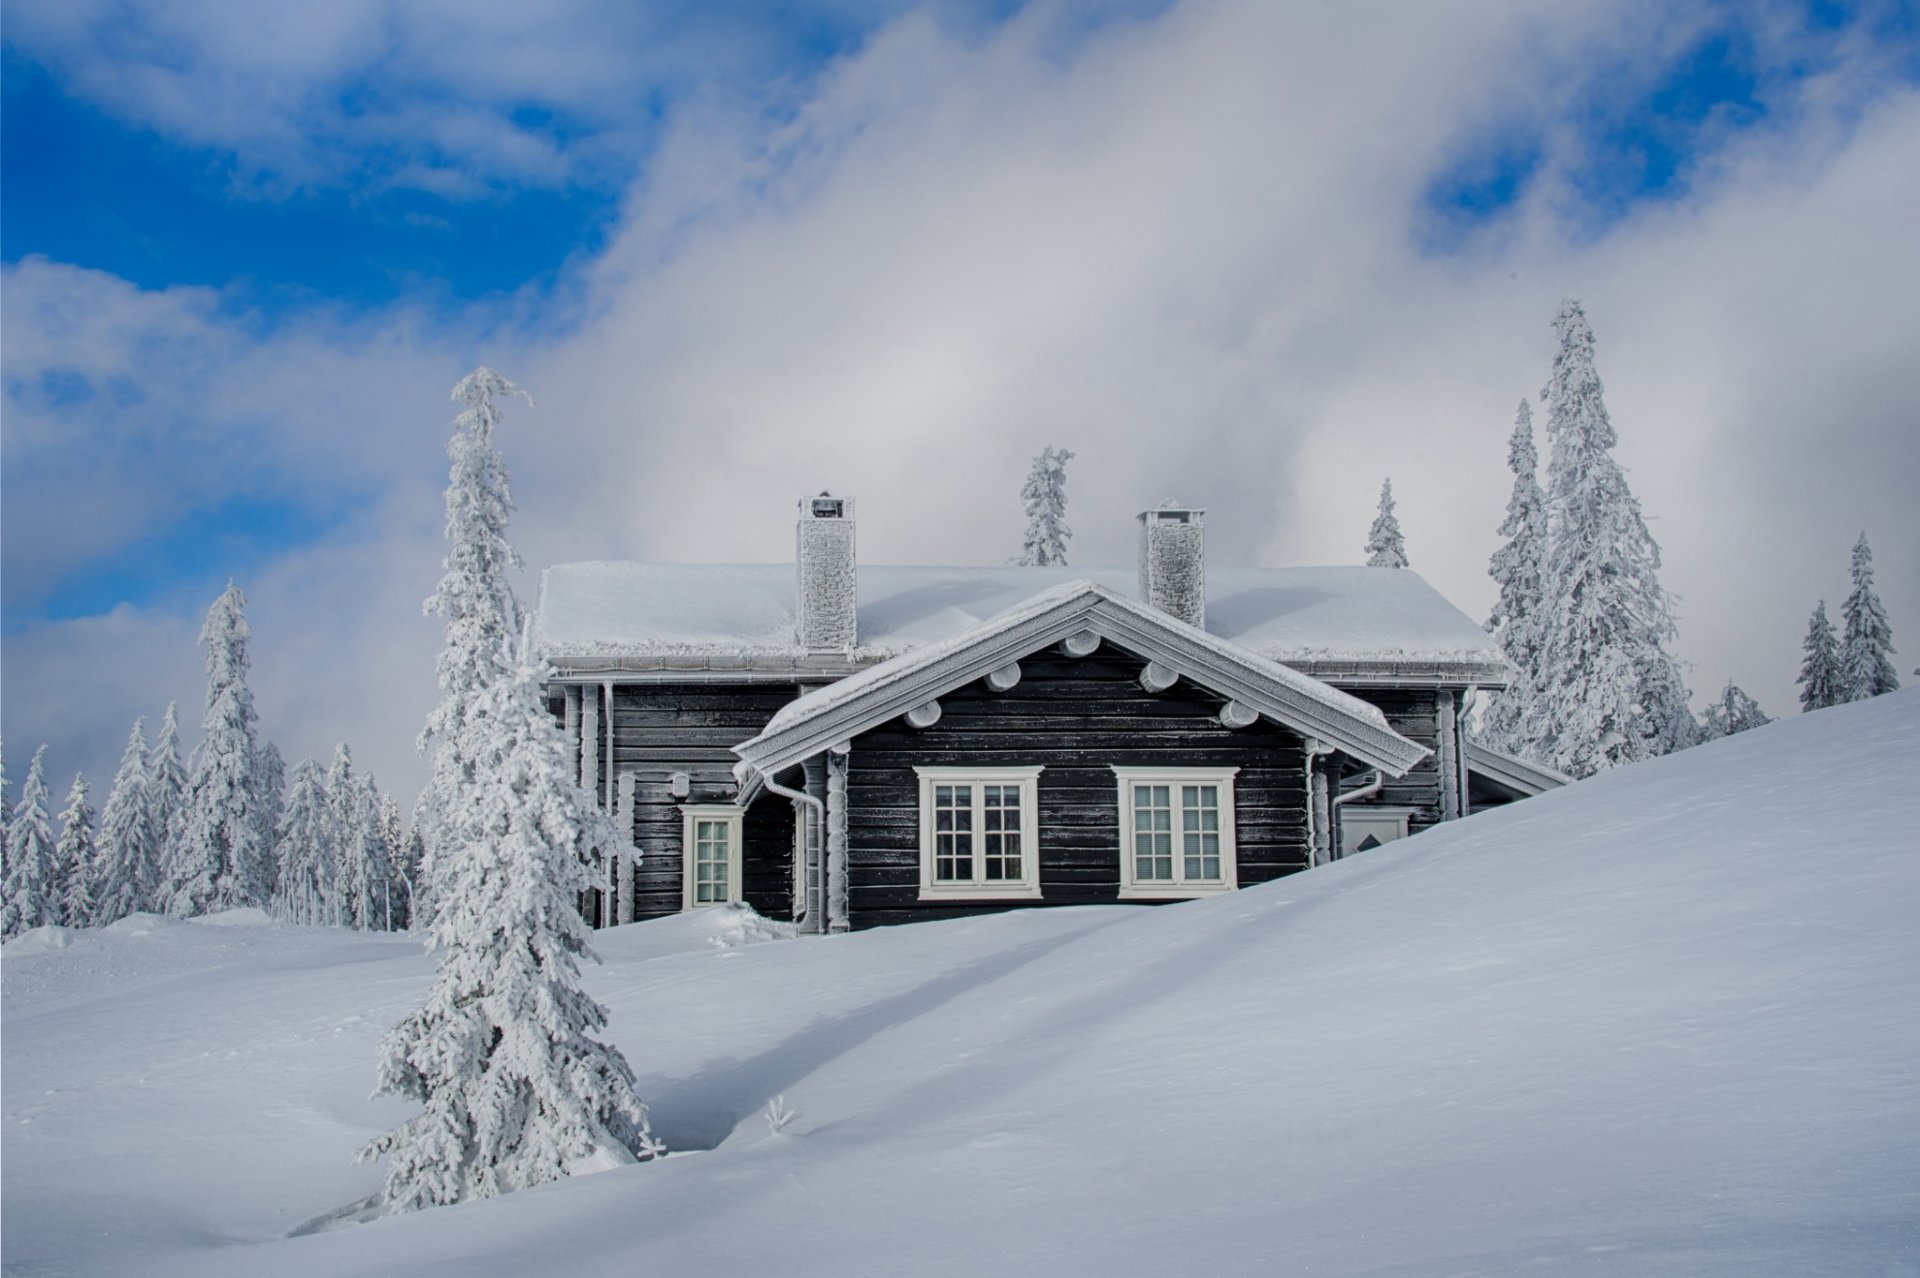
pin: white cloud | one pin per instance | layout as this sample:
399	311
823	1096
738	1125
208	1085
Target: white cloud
1189	249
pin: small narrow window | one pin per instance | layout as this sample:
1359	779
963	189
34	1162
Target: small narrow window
710	842
976	833
1176	832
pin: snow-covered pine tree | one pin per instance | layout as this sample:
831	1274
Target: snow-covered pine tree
6	813
411	867
476	597
1733	711
1866	646
75	855
270	784
393	851
309	845
129	848
27	896
1608	692
1517	568
1386	548
350	853
1820	670
1045	497
221	860
167	782
516	1088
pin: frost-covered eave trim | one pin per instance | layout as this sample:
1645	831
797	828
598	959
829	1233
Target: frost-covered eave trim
1413	673
1212	663
745	664
1517	774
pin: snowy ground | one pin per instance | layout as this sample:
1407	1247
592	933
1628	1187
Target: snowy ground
1667	1021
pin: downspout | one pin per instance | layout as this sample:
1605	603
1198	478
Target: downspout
814	831
608	911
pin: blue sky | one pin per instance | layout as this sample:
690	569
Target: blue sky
247	253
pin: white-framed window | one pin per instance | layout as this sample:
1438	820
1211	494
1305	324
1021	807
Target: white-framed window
979	832
710	852
1367	827
1176	832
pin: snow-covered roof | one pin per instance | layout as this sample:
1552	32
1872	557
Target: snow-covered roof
1353	624
1516	774
841	710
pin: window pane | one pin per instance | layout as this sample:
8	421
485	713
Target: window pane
1152	833
710	848
953	833
1000	832
1200	832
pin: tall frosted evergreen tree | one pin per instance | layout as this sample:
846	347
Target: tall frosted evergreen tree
6	813
221	859
167	784
1608	691
362	860
393	851
309	838
1386	548
1518	568
75	855
1045	497
27	896
1732	711
476	598
1820	683
1866	646
129	845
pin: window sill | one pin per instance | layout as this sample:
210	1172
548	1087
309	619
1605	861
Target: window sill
981	892
1174	891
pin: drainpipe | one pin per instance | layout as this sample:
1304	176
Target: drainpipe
1366	791
813	836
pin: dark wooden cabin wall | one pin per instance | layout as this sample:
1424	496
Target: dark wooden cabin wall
1414	713
659	730
1079	718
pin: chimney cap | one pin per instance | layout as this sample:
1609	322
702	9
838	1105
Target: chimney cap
1172	512
826	506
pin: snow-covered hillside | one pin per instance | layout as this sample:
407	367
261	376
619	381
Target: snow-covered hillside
1663	1021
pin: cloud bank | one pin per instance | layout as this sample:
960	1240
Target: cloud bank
1198	246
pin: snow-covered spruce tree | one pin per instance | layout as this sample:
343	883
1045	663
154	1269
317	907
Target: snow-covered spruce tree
270	784
167	783
75	855
355	849
393	850
516	1089
1607	692
1045	497
1732	711
6	813
221	858
1386	548
309	846
476	597
27	896
1819	679
129	846
1517	568
1866	645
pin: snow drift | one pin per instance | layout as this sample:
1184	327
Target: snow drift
1662	1021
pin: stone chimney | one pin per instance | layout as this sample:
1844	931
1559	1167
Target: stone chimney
828	602
1173	562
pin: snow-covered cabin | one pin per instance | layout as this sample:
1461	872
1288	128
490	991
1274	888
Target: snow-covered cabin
849	745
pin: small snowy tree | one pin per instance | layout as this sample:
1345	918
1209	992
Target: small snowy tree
129	846
476	597
6	813
1386	548
1866	647
362	856
221	857
1608	692
75	856
517	1091
27	896
270	785
1734	711
393	851
1820	684
1045	498
1517	568
308	890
